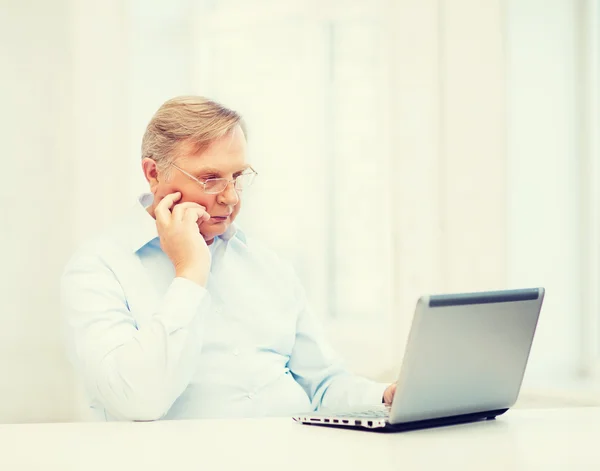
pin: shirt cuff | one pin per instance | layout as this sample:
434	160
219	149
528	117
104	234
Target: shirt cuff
182	302
374	393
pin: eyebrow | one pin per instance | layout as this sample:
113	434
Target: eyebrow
206	170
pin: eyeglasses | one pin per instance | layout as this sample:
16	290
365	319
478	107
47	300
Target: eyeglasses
213	186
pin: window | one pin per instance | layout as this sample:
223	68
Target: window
590	103
312	86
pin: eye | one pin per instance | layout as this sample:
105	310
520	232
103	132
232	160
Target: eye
241	172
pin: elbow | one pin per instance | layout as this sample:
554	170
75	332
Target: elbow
146	416
139	409
144	404
134	394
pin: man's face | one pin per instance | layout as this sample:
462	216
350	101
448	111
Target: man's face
225	158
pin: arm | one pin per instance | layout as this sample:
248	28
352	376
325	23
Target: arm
135	371
320	372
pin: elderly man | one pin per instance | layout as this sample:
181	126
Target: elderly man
175	314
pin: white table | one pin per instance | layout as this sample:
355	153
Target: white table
552	439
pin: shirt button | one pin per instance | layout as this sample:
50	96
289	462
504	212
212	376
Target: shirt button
250	396
236	352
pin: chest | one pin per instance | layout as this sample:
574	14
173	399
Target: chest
251	306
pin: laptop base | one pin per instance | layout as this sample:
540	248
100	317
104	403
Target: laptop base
420	424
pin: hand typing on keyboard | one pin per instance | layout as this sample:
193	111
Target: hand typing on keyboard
388	394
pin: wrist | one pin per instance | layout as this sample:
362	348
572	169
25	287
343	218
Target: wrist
193	274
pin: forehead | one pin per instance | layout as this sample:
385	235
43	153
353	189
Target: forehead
227	154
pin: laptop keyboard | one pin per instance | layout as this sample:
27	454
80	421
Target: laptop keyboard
372	414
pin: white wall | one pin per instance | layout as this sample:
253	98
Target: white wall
449	155
489	151
544	175
481	141
66	156
36	207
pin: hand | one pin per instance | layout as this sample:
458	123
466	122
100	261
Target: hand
180	237
388	394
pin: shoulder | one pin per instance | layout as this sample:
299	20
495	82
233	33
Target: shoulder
267	266
258	249
101	249
263	258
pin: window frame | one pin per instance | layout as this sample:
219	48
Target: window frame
589	101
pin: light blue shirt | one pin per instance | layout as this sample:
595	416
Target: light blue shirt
150	345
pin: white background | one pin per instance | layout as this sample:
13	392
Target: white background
403	147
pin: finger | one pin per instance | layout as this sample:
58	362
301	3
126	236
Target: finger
162	213
180	209
392	393
204	217
192	215
388	395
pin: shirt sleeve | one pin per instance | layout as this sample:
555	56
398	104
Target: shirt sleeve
320	371
135	371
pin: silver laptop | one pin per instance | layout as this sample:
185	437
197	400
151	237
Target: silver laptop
464	361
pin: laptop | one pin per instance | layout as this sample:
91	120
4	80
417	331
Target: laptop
464	361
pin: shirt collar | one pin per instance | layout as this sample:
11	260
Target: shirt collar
143	226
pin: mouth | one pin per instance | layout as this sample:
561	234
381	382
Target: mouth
219	218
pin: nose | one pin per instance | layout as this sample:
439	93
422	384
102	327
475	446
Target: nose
229	195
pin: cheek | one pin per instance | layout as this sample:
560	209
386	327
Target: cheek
198	197
187	194
236	210
161	190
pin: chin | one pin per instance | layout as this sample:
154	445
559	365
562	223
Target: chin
214	230
211	235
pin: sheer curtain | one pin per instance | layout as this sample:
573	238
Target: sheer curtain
404	147
590	102
313	86
553	184
395	151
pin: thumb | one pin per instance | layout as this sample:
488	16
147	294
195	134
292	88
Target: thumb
388	395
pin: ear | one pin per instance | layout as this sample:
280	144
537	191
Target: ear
150	172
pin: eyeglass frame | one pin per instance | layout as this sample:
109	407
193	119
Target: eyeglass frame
208	179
